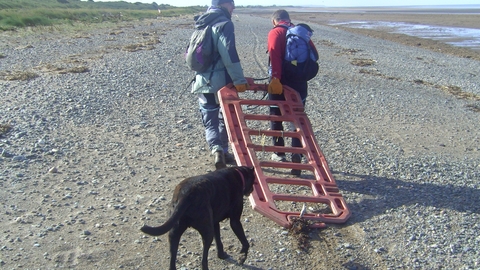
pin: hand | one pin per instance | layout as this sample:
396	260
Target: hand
242	87
275	87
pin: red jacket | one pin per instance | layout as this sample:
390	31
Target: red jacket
276	47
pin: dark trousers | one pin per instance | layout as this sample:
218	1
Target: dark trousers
302	89
212	118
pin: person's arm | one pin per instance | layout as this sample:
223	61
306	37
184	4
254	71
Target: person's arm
229	55
276	50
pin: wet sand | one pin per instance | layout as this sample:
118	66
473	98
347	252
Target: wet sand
440	19
468	18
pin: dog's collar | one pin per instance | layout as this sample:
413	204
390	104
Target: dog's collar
243	179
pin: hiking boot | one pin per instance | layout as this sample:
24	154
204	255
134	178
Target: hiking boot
230	159
279	157
296	158
219	160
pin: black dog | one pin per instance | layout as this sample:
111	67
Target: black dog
202	202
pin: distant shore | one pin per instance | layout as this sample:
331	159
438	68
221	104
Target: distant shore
459	17
453	17
451	9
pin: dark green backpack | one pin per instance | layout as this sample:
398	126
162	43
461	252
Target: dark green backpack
200	50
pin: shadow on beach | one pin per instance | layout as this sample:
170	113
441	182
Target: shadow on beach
388	193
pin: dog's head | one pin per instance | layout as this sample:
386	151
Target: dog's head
248	174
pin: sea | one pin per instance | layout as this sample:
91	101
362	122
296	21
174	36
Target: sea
456	36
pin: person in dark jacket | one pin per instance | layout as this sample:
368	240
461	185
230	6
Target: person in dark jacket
276	51
226	69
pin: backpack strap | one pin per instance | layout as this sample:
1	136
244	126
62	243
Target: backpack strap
282	25
215	60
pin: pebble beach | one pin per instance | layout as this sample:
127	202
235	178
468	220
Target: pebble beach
104	127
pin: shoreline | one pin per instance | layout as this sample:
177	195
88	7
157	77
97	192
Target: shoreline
340	15
451	9
438	19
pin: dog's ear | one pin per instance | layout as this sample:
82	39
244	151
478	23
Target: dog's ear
251	171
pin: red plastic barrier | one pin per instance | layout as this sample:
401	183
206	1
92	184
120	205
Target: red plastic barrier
316	191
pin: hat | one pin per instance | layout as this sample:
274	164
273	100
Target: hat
219	2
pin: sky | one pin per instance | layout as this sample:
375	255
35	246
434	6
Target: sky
328	3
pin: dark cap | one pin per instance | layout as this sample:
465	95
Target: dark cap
219	2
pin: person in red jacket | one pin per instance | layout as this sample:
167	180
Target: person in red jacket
276	51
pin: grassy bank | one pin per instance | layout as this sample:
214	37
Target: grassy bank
27	13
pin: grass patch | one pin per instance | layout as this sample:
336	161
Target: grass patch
362	62
375	72
452	90
79	69
473	107
17	75
12	19
16	14
348	52
327	43
146	45
300	230
458	92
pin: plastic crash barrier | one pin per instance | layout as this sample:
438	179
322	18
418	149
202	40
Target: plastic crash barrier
314	195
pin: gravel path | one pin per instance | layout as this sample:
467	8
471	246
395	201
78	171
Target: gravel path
104	132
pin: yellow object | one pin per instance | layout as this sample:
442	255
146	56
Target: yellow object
241	87
275	87
294	62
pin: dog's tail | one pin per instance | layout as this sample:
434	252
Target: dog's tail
155	231
165	227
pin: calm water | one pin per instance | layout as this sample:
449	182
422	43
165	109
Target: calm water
456	36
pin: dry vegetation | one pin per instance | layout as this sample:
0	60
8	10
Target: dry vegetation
17	75
300	229
4	128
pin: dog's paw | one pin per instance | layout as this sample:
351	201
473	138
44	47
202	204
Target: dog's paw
222	255
242	258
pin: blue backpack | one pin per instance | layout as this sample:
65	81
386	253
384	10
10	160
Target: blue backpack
300	63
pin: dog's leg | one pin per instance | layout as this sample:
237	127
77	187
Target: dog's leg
205	227
239	232
207	239
174	239
220	251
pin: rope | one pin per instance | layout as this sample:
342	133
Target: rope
261	79
250	107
